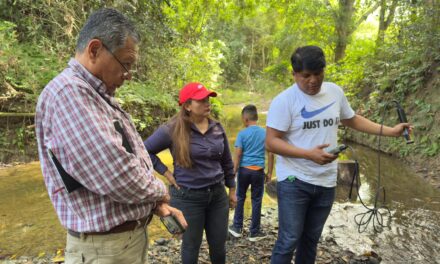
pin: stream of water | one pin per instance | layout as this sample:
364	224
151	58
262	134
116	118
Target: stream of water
412	236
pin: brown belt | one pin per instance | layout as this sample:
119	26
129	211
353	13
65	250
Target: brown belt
124	227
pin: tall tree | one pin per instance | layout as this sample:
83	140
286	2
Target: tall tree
348	15
385	19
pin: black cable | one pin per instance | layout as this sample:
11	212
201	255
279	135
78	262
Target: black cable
377	213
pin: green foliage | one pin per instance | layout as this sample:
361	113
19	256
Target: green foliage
429	145
18	141
148	106
350	71
269	88
199	62
236	96
404	69
241	49
279	71
240	93
53	23
27	67
7	34
4	144
216	107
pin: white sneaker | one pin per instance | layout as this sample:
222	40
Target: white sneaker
236	232
257	236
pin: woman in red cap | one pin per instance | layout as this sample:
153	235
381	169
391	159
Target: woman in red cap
202	167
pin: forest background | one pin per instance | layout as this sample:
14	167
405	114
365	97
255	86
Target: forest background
377	50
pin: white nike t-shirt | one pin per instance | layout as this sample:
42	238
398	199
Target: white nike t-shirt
309	120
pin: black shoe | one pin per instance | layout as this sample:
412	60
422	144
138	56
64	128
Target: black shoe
234	231
257	236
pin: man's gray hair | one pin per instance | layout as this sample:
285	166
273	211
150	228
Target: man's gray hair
108	25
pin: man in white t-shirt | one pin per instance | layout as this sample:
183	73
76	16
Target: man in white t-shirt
306	117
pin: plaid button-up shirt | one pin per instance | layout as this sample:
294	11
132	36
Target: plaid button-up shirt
75	120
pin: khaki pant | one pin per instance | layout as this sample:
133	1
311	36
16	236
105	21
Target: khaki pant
126	247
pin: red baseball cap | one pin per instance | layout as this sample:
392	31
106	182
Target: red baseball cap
194	91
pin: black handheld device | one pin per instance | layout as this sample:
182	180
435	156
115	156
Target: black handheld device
172	224
338	149
402	119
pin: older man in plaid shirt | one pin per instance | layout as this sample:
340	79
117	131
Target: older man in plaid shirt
85	136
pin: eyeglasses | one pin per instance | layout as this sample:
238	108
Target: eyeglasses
127	72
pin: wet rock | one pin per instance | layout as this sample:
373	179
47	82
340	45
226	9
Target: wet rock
2	257
330	240
161	241
422	170
366	258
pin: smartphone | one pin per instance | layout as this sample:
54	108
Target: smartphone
172	224
338	149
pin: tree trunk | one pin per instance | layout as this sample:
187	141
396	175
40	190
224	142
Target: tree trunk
345	24
344	20
341	46
251	57
381	32
384	22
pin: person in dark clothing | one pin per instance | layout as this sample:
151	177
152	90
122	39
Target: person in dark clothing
202	167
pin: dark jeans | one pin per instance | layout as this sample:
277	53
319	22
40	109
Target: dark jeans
303	209
254	178
205	209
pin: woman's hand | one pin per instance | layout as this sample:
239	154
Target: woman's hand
232	198
171	179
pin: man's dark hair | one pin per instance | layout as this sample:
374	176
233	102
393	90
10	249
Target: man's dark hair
310	58
109	26
250	111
